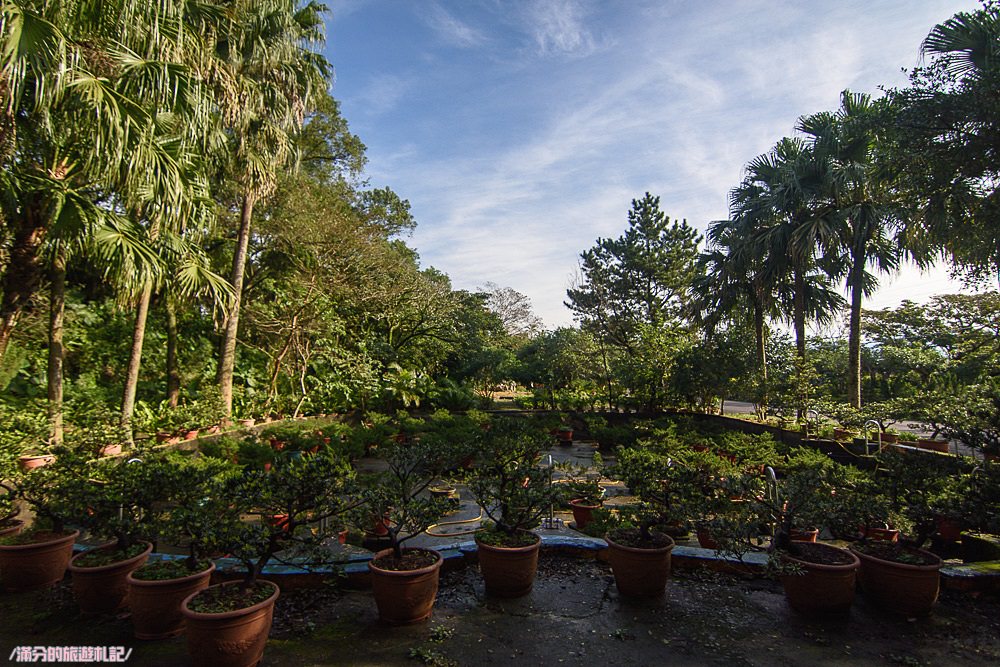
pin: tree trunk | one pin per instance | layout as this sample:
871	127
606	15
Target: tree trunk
57	311
173	374
22	274
799	315
758	325
227	355
135	361
854	334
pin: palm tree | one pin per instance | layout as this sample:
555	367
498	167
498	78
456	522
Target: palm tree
265	74
857	207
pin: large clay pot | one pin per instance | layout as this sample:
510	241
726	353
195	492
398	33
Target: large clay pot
583	512
934	445
639	573
910	590
26	567
509	572
104	589
156	605
30	462
405	596
821	588
804	535
230	639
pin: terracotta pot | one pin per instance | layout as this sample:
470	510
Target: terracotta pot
948	529
889	438
30	462
564	435
191	433
163	436
26	567
705	539
405	596
509	572
933	445
156	605
247	423
583	513
639	573
230	639
884	534
104	589
342	537
111	450
910	590
13	527
821	588
804	535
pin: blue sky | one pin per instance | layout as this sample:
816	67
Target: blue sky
520	131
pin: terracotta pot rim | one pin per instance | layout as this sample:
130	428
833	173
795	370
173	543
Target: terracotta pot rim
236	613
110	566
68	537
530	547
637	550
578	502
903	566
825	567
153	583
406	573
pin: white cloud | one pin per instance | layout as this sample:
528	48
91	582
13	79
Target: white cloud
383	92
451	29
558	27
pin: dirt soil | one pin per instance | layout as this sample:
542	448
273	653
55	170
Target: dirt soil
573	617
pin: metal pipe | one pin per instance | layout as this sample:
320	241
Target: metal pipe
878	429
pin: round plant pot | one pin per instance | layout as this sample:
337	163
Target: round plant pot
583	512
247	423
883	534
104	589
934	445
232	638
111	450
156	605
565	435
639	573
26	567
191	433
509	572
12	527
821	588
910	590
705	539
948	529
30	462
405	596
810	535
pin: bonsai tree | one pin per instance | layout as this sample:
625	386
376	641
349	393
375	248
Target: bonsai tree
512	489
284	509
581	482
400	497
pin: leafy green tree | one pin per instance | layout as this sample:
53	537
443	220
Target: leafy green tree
633	290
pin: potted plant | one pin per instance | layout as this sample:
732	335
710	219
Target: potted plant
115	502
514	493
817	578
901	576
37	557
194	498
9	523
227	625
582	489
639	551
405	580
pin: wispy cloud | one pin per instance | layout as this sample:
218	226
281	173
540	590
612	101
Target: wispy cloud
451	29
383	92
559	27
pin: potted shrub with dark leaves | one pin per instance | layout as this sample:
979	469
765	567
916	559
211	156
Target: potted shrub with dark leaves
116	503
405	580
901	576
514	492
665	486
9	523
194	499
582	489
227	625
37	557
817	578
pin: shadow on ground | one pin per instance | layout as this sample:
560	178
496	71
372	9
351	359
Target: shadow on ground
573	617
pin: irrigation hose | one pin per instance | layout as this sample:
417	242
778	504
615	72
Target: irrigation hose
430	529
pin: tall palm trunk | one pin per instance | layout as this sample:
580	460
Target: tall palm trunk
799	314
57	312
227	354
854	336
135	361
22	273
758	326
173	374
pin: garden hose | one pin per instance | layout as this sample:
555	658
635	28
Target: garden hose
430	529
